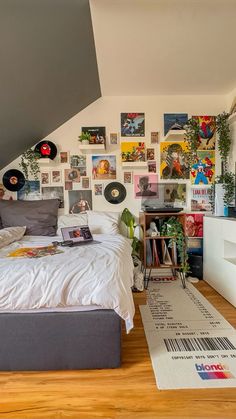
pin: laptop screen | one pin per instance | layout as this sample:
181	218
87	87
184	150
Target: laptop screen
77	233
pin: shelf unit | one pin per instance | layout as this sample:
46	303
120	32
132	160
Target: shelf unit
174	134
158	244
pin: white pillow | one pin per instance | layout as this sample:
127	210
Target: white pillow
101	222
70	220
11	234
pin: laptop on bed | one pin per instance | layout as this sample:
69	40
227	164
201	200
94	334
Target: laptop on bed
77	236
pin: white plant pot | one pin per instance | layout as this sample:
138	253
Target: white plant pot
85	142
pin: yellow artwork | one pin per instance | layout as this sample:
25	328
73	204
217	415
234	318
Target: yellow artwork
174	160
133	151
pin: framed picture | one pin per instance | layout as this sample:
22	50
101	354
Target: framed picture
30	191
98	189
113	138
85	182
154	137
63	157
72	175
97	134
133	151
132	124
104	167
194	225
203	170
80	201
145	186
175	192
201	199
150	154
152	166
45	178
56	176
128	177
54	192
174	160
174	121
207	132
79	162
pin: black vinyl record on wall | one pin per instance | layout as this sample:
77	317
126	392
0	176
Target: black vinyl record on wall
115	192
13	180
46	149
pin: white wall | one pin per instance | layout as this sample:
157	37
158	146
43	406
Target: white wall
106	112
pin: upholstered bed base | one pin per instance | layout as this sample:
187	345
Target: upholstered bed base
60	341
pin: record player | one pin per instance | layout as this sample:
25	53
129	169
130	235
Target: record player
161	208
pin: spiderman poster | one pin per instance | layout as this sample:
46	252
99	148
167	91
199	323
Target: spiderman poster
203	169
207	132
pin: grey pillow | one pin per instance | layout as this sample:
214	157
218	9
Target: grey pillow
39	217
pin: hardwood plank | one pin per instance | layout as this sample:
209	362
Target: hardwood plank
128	392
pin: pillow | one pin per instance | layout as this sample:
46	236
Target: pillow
70	220
10	235
39	217
101	222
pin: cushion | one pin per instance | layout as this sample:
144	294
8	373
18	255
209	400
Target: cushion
101	222
70	220
10	235
39	217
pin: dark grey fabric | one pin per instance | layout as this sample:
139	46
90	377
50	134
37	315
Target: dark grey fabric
40	217
60	341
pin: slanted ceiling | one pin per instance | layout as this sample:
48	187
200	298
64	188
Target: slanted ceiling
48	70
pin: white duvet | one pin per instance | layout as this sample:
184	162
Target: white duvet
99	274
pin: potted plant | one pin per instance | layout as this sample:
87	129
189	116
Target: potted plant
85	138
128	219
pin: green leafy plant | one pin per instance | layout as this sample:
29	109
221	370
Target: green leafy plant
192	138
29	164
228	182
85	136
128	219
224	139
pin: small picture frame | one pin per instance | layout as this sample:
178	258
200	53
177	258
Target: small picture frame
150	154
56	177
98	189
64	157
113	138
45	178
85	182
152	166
128	177
154	137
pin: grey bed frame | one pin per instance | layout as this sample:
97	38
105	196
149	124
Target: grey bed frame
60	341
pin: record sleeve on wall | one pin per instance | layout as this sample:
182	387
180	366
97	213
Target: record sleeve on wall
13	180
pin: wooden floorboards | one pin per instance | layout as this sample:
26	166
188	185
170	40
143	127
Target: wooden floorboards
128	392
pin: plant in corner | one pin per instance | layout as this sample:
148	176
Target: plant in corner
128	219
85	138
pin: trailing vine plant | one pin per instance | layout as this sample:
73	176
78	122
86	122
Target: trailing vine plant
128	219
192	138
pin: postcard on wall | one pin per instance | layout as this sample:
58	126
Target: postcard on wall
203	170
54	192
56	176
98	189
97	134
194	225
128	177
145	186
201	199
104	167
113	138
63	157
174	121
150	154
174	160
45	178
72	175
133	151
80	201
132	124
154	137
207	132
85	181
79	162
152	166
175	193
30	191
68	185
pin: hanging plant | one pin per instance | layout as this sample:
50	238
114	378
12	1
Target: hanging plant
192	138
228	182
29	164
224	139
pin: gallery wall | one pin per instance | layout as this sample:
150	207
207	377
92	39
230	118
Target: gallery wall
106	112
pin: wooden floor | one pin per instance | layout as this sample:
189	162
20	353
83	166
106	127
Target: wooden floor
129	392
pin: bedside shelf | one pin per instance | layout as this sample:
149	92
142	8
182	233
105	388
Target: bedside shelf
134	164
174	134
92	147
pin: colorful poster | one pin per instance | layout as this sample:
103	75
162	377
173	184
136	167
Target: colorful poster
132	124
145	186
174	160
207	137
174	121
30	191
194	225
201	199
203	170
104	167
80	201
175	192
54	192
97	134
132	151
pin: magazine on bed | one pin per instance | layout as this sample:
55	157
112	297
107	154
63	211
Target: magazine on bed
34	252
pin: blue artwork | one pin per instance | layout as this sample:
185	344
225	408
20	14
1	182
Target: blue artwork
30	191
174	121
132	124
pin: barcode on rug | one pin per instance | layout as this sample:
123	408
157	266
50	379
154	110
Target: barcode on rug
198	344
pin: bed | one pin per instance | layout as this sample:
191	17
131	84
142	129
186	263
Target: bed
65	311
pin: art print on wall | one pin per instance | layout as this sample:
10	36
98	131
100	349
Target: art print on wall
7	195
128	177
72	175
80	201
133	151
154	137
175	193
97	134
132	124
79	162
56	176
201	199
194	225
207	127
150	154
203	170
30	191
145	186
85	181
152	167
63	157
98	189
104	167
68	185
54	192
45	178
174	121
174	160
113	138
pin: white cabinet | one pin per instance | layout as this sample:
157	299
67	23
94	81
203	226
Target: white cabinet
219	261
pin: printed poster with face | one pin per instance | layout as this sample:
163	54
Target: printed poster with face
174	160
145	186
103	167
203	169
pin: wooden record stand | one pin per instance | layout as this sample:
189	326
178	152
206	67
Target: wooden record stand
158	245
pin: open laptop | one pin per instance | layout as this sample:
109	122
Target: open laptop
77	236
